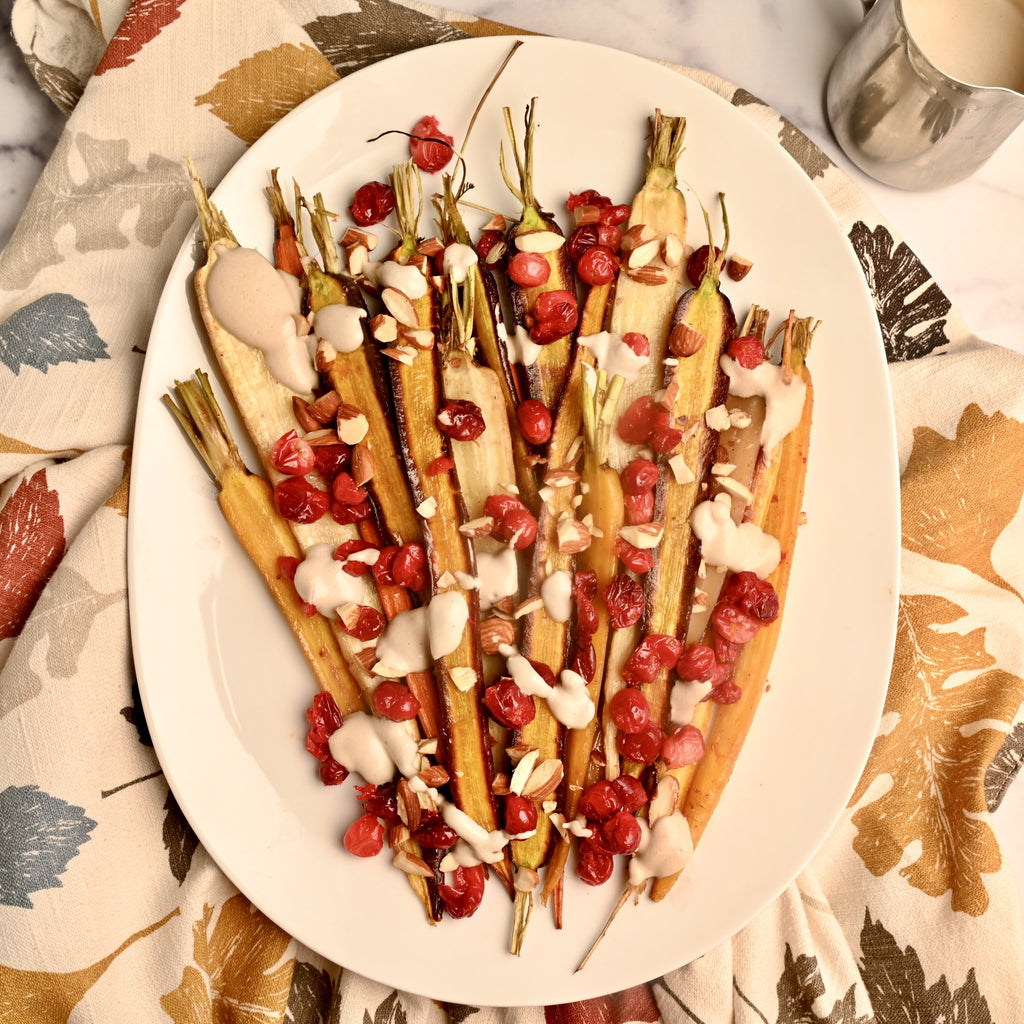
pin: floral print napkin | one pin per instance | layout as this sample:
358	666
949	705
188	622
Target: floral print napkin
109	907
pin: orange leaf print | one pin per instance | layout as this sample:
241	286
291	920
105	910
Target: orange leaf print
255	94
944	692
959	495
239	972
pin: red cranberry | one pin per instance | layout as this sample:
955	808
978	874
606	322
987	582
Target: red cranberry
683	746
365	836
520	815
599	801
534	421
461	420
734	625
395	701
625	600
291	455
372	203
748	351
630	791
629	710
698	663
528	269
752	595
621	832
509	704
643	747
299	501
639	476
429	147
594	865
463	897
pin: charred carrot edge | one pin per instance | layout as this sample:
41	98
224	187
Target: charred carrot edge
731	723
247	503
545	377
417	389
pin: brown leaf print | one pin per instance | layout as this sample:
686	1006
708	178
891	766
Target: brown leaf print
61	84
142	23
812	160
31	546
238	972
936	756
23	994
119	499
255	94
959	495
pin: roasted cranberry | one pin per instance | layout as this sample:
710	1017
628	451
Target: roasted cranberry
748	351
345	490
286	566
752	595
594	865
291	455
382	567
583	238
487	242
665	440
585	583
614	215
726	651
331	459
639	508
642	666
528	269
643	747
625	600
555	315
442	464
734	625
600	801
513	521
630	791
520	815
598	265
380	801
726	692
697	663
299	501
372	203
638	560
332	773
369	624
639	476
324	718
586	614
365	836
683	746
436	835
345	515
409	566
464	895
509	704
461	420
621	832
429	147
534	421
629	710
395	701
634	425
584	658
588	197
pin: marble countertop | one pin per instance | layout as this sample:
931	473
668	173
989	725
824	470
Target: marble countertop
968	235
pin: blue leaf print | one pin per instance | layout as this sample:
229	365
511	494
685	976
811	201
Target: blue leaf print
54	329
39	834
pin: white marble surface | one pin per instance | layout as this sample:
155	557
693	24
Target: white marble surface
968	235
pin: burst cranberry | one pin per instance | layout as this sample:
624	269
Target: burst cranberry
637	560
409	566
509	704
442	464
748	351
365	836
630	791
585	583
520	815
528	269
637	343
726	651
324	718
461	420
752	595
299	501
643	747
588	197
332	773
629	710
639	476
380	801
621	832
598	265
726	692
464	895
291	455
487	242
534	421
697	663
583	238
368	625
584	658
346	549
625	600
634	425
513	521
683	746
372	203
594	865
697	264
615	215
586	614
638	508
734	625
395	701
436	835
286	566
521	526
555	314
609	236
331	459
382	567
600	801
642	666
429	147
345	515
665	440
346	491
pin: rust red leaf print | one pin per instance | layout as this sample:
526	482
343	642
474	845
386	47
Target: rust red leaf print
31	546
630	1005
143	22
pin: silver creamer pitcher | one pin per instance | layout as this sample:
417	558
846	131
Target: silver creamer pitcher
906	121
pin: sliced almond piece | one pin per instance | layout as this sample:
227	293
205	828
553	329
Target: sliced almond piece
545	778
411	864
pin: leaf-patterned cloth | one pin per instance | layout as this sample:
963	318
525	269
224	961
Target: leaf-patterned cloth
111	910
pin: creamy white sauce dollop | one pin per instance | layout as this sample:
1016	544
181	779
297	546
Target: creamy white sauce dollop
739	547
783	403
